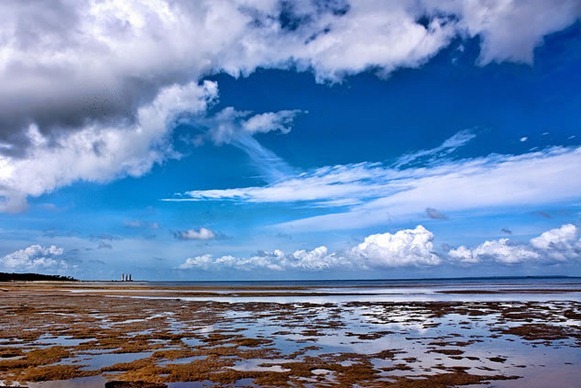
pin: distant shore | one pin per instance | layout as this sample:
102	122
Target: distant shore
30	277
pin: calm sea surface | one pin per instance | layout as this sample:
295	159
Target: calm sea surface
484	283
421	290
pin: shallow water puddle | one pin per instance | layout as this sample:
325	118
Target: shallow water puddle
48	340
81	382
97	360
262	365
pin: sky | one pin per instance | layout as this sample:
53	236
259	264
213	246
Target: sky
288	140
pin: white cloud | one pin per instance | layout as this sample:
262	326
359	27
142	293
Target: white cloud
308	260
510	30
317	259
209	263
403	248
374	194
195	234
463	255
100	154
494	183
110	52
229	125
320	185
88	86
450	145
203	262
501	251
237	128
270	121
558	244
34	258
410	247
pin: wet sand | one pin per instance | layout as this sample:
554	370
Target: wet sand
93	333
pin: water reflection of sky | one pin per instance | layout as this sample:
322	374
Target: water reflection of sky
509	297
464	291
324	326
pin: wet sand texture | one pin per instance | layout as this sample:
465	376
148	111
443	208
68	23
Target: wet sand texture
48	333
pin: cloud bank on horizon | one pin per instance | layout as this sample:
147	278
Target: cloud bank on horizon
404	248
104	92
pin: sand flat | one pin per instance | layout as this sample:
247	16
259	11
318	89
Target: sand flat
314	337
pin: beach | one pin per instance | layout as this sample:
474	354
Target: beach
511	333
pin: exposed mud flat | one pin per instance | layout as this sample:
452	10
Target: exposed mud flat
123	334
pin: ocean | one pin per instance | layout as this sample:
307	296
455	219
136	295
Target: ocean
417	290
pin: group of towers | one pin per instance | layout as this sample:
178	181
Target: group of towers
126	277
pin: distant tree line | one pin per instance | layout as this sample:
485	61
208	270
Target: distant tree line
7	277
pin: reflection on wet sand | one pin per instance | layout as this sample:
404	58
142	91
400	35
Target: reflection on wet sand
90	335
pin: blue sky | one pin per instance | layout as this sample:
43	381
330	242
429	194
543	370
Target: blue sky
290	140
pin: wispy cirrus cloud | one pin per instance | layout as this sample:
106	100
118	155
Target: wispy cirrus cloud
426	156
238	128
140	224
366	194
347	184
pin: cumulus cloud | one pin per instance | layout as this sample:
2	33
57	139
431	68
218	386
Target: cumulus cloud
97	82
34	258
558	244
409	247
403	248
99	59
463	255
195	234
208	262
368	193
100	154
500	250
307	260
510	30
